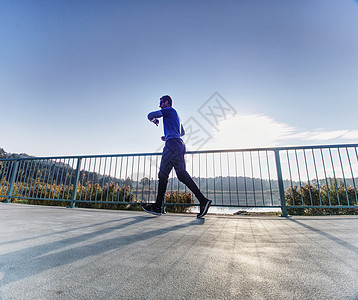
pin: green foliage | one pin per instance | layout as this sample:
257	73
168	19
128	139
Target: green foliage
178	198
3	189
111	196
314	195
2	152
99	195
111	192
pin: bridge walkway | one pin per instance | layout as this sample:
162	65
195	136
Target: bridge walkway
59	253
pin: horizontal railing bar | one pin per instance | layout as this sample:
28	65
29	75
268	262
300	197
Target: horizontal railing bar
79	156
188	152
275	148
323	206
107	202
223	205
131	203
48	199
189	204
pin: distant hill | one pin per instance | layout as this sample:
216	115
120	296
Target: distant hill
4	154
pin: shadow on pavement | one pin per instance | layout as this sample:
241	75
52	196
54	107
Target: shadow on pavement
327	235
36	259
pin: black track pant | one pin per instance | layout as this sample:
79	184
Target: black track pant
173	157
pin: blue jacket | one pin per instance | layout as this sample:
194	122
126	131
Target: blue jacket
173	129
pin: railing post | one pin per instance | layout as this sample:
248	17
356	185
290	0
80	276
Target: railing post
75	184
12	181
280	183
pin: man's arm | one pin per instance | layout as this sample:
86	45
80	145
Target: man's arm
154	115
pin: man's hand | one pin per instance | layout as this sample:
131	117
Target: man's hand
155	121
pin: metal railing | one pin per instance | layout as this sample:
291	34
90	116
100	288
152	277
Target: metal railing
285	177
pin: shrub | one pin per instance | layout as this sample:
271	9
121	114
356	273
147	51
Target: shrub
314	195
110	192
178	198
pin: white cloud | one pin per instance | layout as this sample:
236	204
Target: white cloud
320	135
353	135
250	131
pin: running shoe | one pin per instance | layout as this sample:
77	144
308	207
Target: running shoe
152	209
204	208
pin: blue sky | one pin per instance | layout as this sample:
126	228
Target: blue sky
79	77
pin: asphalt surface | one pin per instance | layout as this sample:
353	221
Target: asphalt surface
60	253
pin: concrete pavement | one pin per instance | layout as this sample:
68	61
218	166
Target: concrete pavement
60	253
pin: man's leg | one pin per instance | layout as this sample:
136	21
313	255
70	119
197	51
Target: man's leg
162	187
183	176
205	203
164	171
180	168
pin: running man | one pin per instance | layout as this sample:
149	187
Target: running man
173	156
